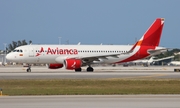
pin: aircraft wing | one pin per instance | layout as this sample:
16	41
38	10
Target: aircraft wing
90	59
96	58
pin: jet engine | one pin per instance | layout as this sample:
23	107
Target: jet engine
73	63
55	66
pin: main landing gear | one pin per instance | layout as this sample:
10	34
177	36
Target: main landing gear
78	70
89	69
29	68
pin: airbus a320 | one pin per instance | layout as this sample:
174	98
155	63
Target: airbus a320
73	57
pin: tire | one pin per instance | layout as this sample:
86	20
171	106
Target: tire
78	70
28	70
89	69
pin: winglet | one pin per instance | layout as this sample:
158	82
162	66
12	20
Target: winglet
134	46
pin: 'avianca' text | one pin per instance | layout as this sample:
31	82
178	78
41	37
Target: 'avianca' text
57	51
62	51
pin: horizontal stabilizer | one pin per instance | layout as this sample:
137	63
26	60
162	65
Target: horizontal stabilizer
157	51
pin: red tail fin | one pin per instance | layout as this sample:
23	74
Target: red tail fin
149	41
153	34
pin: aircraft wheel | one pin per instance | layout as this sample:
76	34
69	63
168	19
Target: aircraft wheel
89	69
28	70
78	70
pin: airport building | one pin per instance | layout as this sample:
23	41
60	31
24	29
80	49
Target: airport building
2	59
153	61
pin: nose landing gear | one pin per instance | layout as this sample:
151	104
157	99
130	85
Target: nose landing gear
29	68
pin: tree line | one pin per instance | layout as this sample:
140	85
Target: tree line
10	47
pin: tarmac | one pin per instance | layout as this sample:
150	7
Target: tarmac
134	72
91	101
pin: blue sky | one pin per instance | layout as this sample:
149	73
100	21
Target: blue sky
87	21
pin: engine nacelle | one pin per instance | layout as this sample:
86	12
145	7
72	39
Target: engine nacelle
55	66
73	63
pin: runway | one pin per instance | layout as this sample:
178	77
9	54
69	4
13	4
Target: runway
89	75
100	73
91	101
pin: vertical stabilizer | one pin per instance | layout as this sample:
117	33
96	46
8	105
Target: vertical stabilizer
153	35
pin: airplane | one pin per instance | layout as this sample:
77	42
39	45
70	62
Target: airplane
144	61
174	63
73	57
153	60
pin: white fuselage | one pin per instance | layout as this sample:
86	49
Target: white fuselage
58	53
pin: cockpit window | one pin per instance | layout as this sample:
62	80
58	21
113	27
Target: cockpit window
18	50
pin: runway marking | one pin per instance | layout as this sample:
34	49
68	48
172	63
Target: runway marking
140	77
164	69
152	76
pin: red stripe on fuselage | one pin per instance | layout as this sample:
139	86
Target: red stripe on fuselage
141	53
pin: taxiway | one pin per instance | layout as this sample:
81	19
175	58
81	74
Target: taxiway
135	72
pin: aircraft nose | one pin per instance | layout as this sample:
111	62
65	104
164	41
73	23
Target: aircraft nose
9	57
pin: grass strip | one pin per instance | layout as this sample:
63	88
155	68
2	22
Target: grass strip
89	87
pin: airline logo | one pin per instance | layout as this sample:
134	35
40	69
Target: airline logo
58	51
74	65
